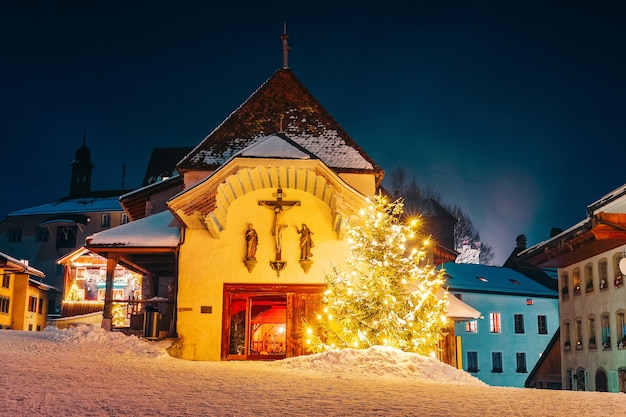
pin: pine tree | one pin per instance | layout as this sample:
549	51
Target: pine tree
74	294
388	295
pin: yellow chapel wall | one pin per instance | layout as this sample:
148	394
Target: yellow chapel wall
205	263
363	183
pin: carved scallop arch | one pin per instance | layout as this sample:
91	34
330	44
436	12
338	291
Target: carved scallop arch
247	180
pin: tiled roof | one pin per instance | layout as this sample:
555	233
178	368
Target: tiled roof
281	104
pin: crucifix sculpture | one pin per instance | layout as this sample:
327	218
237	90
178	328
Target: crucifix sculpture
279	206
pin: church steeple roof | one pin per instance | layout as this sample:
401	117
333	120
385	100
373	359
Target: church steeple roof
281	104
81	171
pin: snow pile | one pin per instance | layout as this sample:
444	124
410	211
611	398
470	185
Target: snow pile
89	336
383	361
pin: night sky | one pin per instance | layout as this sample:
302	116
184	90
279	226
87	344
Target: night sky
514	112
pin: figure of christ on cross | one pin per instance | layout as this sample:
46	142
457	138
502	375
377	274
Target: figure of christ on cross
279	206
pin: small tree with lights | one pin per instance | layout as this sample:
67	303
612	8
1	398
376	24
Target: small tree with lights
388	294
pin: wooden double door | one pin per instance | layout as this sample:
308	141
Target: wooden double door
264	322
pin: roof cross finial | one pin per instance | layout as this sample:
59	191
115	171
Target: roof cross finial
286	48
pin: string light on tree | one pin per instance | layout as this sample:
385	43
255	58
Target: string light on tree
388	296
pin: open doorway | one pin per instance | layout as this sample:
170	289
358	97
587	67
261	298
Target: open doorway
264	321
258	327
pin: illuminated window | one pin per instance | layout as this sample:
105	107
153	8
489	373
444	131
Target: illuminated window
576	280
520	361
494	323
81	272
496	362
579	335
472	361
542	324
471	326
519	323
32	304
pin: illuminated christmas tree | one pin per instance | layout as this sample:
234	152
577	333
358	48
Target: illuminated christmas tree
388	294
74	294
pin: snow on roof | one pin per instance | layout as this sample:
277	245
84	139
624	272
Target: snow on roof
158	230
22	265
555	237
281	104
274	146
492	279
459	310
77	205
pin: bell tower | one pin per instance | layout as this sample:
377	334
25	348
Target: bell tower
81	171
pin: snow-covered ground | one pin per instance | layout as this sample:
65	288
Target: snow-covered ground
85	371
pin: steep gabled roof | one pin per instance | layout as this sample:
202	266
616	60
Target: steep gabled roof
281	104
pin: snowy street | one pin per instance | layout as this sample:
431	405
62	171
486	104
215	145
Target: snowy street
85	371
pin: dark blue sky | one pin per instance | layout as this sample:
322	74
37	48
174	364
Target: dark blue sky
515	112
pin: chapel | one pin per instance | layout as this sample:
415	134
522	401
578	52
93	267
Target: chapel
250	226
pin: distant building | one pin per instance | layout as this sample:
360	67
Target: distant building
519	317
590	259
51	230
23	297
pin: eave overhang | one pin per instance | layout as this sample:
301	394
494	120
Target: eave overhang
600	233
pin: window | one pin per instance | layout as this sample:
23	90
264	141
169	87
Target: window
564	286
6	281
472	361
471	326
4	305
566	335
15	235
579	334
606	332
106	221
520	360
589	277
81	273
41	234
124	218
496	362
40	308
591	328
519	323
32	304
621	330
542	324
494	323
603	273
576	281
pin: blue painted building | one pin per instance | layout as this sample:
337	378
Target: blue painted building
519	316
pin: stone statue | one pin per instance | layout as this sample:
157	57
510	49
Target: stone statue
306	242
252	240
